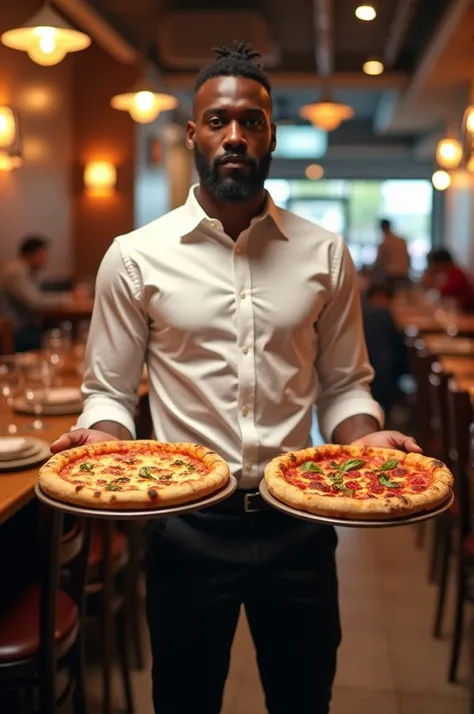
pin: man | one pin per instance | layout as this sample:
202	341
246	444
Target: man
393	260
233	302
448	279
21	296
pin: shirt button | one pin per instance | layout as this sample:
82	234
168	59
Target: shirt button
238	250
248	466
245	350
243	295
245	411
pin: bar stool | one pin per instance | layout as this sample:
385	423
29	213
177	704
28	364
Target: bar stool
41	631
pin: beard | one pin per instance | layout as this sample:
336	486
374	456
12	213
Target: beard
239	187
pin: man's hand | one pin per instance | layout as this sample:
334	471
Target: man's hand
80	437
389	440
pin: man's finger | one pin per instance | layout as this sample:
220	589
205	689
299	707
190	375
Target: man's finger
66	441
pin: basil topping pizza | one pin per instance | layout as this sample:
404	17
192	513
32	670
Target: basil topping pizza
133	474
358	483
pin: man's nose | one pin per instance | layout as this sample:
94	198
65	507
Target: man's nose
235	138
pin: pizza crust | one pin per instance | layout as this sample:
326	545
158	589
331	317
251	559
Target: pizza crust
380	508
153	497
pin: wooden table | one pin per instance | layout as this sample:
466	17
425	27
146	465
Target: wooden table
75	311
458	366
441	344
17	487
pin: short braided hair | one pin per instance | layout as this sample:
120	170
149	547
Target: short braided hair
236	61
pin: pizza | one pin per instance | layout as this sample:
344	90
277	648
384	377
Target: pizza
133	474
358	483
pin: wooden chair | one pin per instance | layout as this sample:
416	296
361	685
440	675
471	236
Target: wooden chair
41	631
461	415
438	387
7	337
106	599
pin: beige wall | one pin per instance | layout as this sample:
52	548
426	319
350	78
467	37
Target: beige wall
35	197
100	133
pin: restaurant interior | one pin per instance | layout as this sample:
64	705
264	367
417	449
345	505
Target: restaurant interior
374	106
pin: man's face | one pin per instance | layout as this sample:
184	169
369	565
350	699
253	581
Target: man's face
38	259
232	137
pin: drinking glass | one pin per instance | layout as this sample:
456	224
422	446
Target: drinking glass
10	378
56	345
80	345
447	314
36	383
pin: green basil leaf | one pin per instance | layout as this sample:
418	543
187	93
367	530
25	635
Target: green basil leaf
121	479
388	484
86	466
112	487
348	492
389	465
190	467
145	472
333	465
353	464
311	466
178	462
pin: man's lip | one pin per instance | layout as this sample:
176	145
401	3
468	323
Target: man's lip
234	162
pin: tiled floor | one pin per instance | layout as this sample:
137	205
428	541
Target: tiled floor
388	662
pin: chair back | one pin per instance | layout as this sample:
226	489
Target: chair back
461	448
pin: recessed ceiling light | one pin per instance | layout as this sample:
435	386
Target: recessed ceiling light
314	172
373	67
366	13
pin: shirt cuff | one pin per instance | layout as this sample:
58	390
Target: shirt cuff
342	408
100	408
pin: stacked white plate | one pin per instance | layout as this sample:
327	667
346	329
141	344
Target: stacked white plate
58	401
20	452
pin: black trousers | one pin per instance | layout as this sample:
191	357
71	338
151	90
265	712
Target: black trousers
201	568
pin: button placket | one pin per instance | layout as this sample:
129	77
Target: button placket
246	365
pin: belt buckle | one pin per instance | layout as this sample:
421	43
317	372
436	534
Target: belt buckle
248	503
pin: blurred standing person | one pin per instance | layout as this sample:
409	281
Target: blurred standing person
393	260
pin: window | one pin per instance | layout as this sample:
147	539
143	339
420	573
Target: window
354	208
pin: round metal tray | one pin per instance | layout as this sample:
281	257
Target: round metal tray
404	521
142	514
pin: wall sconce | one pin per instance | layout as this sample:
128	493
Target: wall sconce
8	127
100	178
8	162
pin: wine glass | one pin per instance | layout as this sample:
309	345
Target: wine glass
447	315
56	347
82	335
36	383
10	378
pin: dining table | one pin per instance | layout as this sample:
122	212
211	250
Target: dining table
17	486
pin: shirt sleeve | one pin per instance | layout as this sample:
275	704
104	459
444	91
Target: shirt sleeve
342	365
117	344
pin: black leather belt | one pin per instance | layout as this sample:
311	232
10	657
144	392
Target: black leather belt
244	502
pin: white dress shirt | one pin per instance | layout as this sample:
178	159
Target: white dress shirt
239	337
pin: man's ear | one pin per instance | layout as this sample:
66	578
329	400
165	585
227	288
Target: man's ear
274	140
190	135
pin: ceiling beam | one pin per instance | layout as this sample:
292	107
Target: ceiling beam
87	19
437	44
323	36
309	80
404	12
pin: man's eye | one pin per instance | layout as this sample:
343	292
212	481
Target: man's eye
216	122
252	123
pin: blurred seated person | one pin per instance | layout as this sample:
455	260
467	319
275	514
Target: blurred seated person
385	345
392	263
22	297
443	275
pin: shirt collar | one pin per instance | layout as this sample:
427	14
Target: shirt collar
193	214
